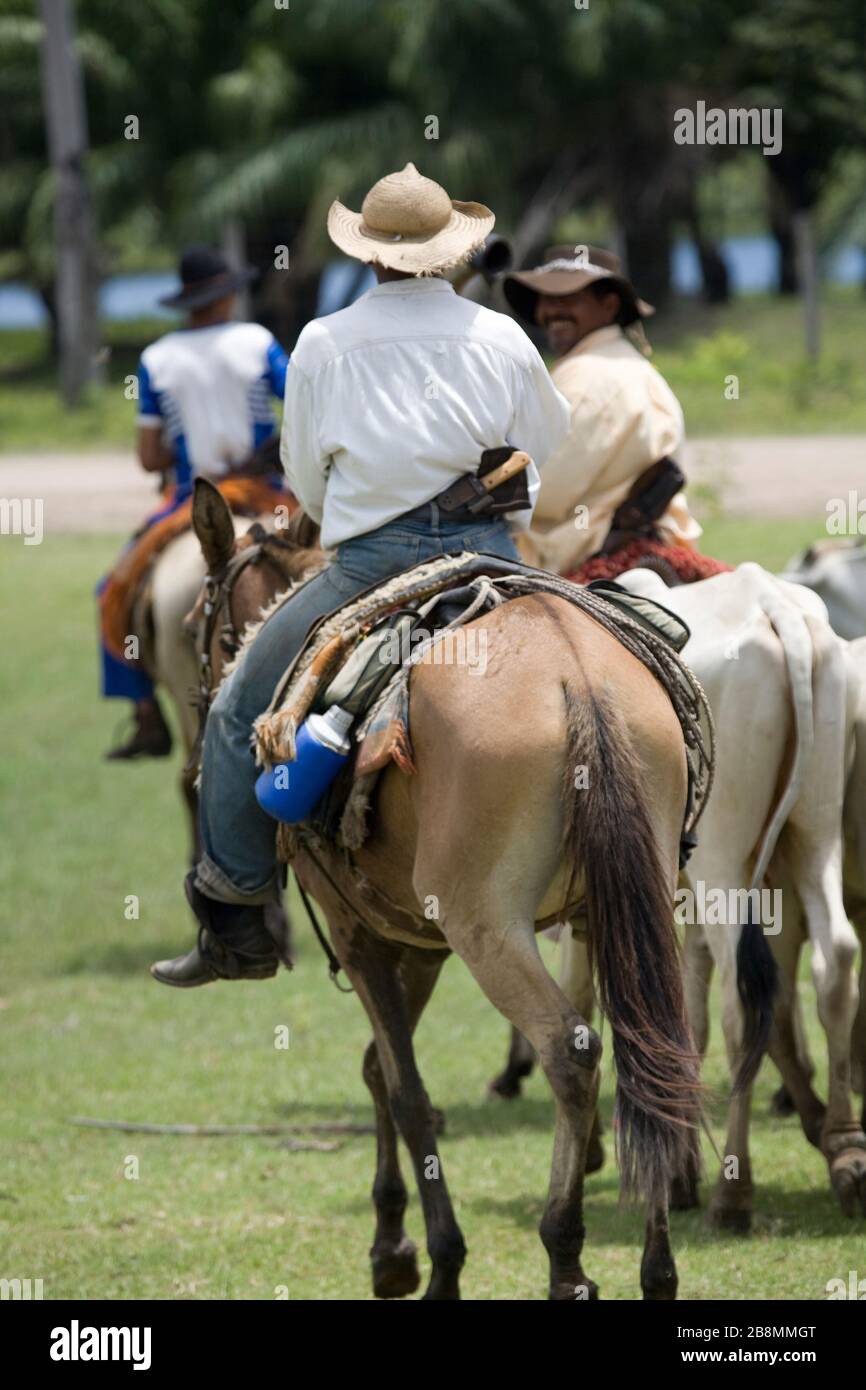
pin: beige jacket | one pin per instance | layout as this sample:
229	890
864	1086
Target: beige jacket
624	417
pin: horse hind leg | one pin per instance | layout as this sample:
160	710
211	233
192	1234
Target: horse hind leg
393	1255
393	995
486	913
516	982
575	979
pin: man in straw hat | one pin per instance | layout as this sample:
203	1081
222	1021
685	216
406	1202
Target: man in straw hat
388	402
203	407
611	495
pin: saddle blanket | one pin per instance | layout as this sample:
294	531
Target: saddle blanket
250	497
361	656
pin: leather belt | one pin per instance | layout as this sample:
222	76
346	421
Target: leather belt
433	515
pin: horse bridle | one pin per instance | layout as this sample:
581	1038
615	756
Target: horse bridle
218	590
217	608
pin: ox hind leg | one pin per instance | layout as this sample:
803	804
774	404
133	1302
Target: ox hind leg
731	1203
834	948
787	1046
697	975
519	1065
858	1035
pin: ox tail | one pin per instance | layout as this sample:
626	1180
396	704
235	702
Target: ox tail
757	976
633	950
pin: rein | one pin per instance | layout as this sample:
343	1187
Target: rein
218	591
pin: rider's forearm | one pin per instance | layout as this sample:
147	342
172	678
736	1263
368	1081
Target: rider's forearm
152	453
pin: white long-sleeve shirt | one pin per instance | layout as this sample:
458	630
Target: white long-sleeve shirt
390	400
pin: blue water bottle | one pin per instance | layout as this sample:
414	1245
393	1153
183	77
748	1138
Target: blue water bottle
290	790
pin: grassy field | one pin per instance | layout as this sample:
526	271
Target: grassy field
86	1032
757	338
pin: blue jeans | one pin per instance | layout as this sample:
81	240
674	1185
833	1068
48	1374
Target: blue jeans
239	860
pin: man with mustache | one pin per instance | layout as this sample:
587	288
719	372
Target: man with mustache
611	495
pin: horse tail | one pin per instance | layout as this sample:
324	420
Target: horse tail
633	950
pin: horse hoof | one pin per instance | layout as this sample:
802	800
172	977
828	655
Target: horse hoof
848	1180
584	1292
594	1156
734	1221
664	1292
504	1087
395	1270
781	1103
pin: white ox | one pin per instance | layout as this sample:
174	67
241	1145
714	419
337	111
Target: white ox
783	699
836	571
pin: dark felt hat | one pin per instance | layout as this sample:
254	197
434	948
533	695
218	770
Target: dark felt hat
205	275
567	269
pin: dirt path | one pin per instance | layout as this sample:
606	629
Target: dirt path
778	475
760	476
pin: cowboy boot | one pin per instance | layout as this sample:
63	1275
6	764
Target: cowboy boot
151	737
235	942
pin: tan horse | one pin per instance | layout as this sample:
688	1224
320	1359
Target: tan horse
557	776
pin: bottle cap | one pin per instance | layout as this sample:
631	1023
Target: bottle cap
339	719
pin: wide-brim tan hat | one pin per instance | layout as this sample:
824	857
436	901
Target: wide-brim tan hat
407	222
567	269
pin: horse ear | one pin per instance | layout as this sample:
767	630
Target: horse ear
212	523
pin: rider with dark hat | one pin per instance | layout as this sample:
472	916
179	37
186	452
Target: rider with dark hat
204	406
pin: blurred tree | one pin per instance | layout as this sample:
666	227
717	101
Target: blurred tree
75	271
817	77
255	117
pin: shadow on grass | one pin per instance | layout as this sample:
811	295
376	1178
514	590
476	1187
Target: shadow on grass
462	1121
781	1214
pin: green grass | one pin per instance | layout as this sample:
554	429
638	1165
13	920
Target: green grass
33	416
758	338
86	1032
735	539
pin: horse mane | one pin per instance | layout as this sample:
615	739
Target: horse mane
295	565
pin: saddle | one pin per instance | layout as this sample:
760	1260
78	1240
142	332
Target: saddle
124	600
361	655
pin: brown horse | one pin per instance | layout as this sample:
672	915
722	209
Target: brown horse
556	778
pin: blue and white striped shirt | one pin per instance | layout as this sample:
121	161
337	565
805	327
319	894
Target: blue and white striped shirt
210	391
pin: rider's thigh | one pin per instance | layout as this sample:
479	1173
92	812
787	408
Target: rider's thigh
249	688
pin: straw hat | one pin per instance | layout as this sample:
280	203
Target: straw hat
409	223
567	269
